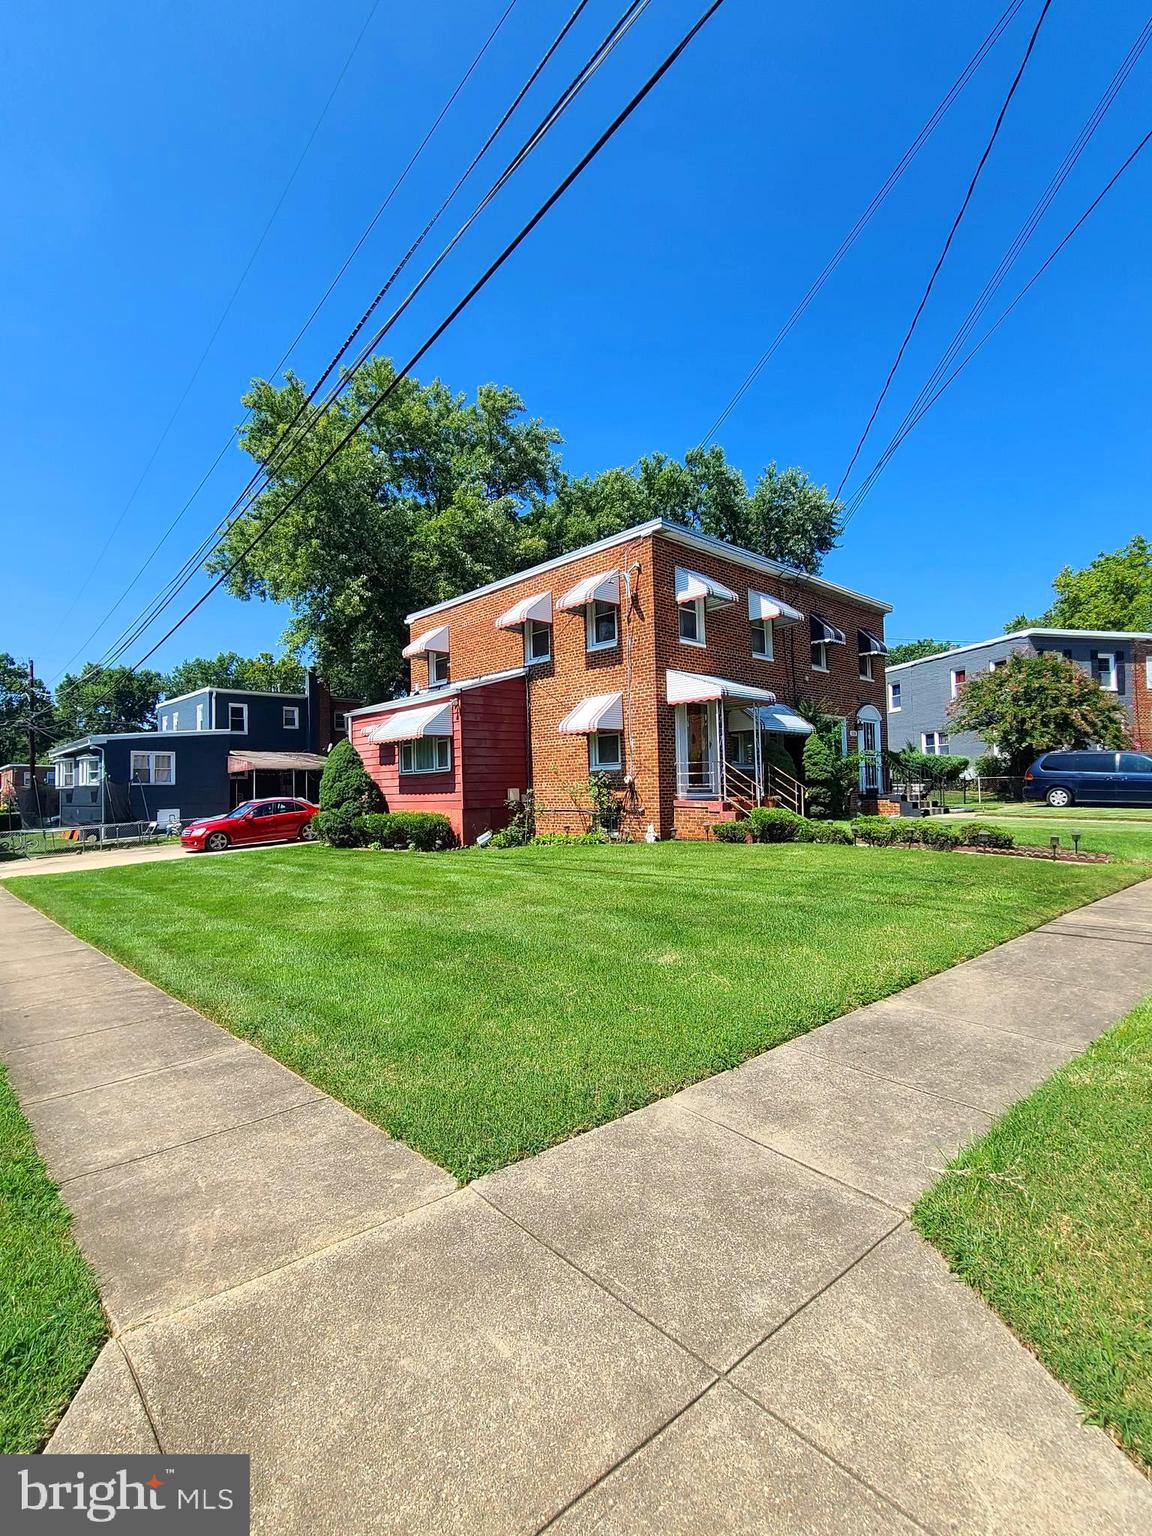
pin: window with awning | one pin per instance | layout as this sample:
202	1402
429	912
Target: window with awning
692	587
432	640
822	634
413	724
601	712
774	609
868	647
537	608
604	588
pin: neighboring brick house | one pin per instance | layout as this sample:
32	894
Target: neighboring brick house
33	796
660	657
919	692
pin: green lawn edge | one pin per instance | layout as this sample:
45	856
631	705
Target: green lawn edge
1048	1216
51	1322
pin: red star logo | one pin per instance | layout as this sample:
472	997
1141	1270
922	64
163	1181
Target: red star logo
154	1482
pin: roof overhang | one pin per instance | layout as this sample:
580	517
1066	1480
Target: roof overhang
604	588
691	587
431	640
762	606
538	607
698	688
285	762
601	712
409	724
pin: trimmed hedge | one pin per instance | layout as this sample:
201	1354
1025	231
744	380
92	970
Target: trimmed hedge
571	839
424	831
925	832
767	824
731	831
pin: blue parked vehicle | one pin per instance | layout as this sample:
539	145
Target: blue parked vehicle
1090	778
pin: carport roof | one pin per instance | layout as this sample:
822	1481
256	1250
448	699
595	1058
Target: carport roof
247	762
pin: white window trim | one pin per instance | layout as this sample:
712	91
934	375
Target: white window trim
594	752
151	779
163	722
199	717
698	607
590	641
953	683
939	746
434	660
294	711
66	773
820	646
1113	685
763	626
437	767
893	695
241	730
867	666
529	624
88	772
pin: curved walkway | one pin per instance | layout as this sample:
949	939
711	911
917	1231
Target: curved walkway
710	1315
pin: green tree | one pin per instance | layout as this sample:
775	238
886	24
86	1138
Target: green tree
787	517
347	792
1113	592
19	708
263	673
1035	704
430	495
101	700
830	773
916	650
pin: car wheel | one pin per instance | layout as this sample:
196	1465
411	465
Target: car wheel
307	833
216	842
1058	797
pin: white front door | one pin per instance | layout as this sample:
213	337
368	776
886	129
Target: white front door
868	746
696	755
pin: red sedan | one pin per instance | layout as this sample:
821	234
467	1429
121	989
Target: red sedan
256	821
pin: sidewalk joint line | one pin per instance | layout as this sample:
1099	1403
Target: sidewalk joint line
130	1077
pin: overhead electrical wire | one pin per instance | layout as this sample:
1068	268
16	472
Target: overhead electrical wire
396	185
947	246
513	245
288	442
849	240
907	426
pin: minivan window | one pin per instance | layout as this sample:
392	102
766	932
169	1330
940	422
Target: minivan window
1135	762
1080	762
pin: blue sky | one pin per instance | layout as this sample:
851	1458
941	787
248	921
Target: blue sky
144	146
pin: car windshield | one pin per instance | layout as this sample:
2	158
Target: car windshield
241	810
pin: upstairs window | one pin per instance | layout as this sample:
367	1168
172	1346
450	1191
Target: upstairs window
66	773
88	771
437	668
692	622
163	722
199	717
427	754
893	697
238	717
291	717
762	639
1106	671
934	743
603	628
339	722
959	678
537	641
153	768
819	656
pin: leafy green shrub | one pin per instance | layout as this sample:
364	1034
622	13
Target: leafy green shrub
989	837
938	834
877	831
597	837
338	826
425	831
346	781
514	835
822	832
773	824
904	831
777	755
830	774
990	765
731	831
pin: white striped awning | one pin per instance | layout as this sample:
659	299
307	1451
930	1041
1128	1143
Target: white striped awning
761	606
824	633
691	587
870	644
408	724
538	607
698	688
604	588
602	712
431	640
778	717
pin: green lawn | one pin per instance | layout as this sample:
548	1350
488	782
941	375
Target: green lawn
482	1006
51	1325
1040	812
1048	1215
1129	842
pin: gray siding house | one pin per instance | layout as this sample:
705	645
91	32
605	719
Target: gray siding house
919	692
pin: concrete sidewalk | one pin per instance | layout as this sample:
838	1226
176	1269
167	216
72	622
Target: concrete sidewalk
710	1315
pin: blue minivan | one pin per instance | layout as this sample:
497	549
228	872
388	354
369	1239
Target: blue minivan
1090	778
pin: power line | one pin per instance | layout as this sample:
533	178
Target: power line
287	443
397	184
878	468
909	155
225	312
494	267
956	222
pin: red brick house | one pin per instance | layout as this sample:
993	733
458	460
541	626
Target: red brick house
663	658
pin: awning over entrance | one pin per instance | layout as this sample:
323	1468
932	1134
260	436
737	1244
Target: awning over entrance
275	762
433	640
778	717
761	606
824	633
602	712
697	688
408	724
691	587
604	588
538	607
870	644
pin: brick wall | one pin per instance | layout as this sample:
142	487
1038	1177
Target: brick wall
635	667
1142	695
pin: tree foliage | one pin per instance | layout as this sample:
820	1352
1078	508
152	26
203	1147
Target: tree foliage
1035	704
437	494
830	773
1113	592
101	700
347	793
916	650
263	673
19	708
